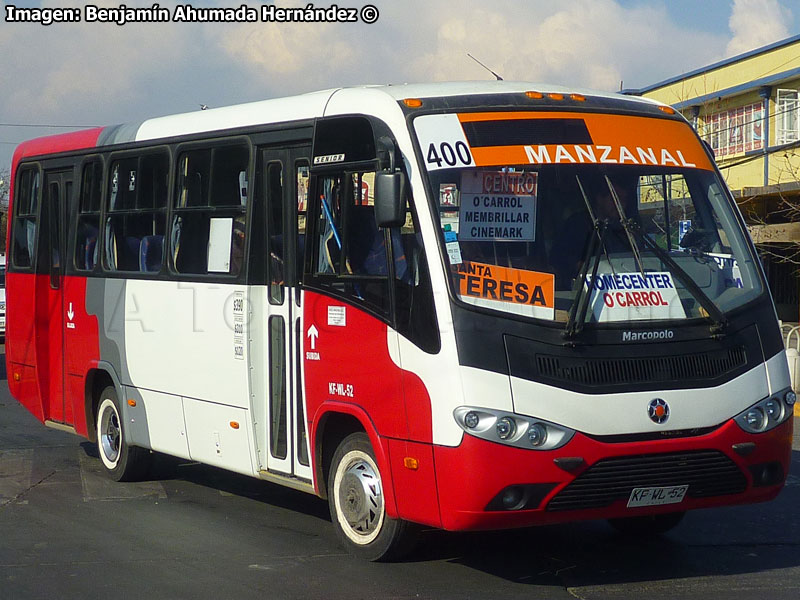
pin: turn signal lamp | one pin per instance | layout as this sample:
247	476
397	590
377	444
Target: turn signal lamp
411	463
412	102
131	402
234	425
534	95
667	109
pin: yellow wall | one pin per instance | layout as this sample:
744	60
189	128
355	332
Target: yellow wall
755	67
783	166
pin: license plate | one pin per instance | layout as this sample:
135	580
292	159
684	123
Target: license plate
655	496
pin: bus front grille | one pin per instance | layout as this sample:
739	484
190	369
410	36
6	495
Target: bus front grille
707	473
683	367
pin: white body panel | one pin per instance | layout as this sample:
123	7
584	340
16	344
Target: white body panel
179	339
296	108
165	426
213	437
608	414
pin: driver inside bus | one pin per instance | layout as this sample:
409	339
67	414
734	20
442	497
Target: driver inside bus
570	248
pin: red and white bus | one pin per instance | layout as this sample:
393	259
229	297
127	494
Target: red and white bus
461	305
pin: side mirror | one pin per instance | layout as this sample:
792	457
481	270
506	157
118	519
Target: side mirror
390	196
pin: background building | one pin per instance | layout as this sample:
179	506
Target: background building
748	109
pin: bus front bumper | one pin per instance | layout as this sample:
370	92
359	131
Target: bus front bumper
486	485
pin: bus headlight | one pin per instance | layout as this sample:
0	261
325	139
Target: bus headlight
537	434
774	409
755	419
505	428
767	413
471	419
512	429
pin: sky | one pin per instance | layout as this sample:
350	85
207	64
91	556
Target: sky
85	74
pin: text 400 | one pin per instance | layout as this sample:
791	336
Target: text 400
449	155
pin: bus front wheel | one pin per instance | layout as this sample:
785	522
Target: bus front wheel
357	504
121	461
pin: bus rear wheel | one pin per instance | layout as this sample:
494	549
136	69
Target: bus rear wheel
648	525
358	508
121	461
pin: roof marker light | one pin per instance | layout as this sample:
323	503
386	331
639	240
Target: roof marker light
667	109
534	95
577	97
555	96
412	102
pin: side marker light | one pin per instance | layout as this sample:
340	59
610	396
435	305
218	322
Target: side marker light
411	463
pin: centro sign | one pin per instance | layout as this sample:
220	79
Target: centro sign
647	336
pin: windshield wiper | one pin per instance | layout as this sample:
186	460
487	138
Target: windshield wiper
626	226
714	313
577	312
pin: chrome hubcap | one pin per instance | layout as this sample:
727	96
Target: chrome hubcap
110	434
361	498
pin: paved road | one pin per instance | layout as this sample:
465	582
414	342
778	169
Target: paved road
198	532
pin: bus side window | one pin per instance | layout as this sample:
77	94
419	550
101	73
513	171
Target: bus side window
302	214
415	312
209	227
350	255
88	229
25	221
136	219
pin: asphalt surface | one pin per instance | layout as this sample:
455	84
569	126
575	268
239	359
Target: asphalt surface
198	532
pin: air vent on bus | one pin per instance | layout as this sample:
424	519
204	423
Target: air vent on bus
706	472
599	371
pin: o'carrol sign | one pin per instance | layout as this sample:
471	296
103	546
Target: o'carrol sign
634	296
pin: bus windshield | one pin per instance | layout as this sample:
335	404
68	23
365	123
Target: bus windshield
605	227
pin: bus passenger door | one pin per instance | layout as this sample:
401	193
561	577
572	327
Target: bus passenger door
50	310
284	186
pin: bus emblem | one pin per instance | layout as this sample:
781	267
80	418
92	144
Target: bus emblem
658	410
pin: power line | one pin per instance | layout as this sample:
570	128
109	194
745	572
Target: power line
707	122
761	154
46	126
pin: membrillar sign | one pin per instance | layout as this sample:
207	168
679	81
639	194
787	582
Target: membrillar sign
498	206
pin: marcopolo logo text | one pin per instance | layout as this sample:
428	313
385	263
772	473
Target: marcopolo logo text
647	336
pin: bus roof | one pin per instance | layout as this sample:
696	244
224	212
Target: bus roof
294	108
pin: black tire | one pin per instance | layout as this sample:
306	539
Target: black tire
120	460
358	512
649	525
